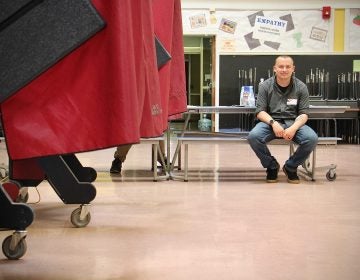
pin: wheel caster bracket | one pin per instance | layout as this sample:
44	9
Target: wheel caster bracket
85	209
16	238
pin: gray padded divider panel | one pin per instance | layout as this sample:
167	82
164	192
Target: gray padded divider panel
41	37
8	8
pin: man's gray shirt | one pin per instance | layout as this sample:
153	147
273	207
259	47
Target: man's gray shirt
283	106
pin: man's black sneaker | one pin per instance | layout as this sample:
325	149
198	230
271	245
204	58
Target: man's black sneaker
272	174
292	176
116	166
161	163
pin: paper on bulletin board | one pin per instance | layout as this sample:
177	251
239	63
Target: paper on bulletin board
269	28
227	45
354	30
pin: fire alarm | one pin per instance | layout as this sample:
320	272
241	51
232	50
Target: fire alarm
326	12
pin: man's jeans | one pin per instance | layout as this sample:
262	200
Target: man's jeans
262	133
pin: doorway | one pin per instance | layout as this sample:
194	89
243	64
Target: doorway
199	54
199	67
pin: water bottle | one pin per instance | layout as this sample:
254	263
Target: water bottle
204	124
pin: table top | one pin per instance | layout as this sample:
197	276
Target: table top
313	110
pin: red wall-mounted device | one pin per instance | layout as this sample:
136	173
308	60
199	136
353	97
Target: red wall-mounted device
326	12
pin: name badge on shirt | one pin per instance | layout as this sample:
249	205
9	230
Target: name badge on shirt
291	102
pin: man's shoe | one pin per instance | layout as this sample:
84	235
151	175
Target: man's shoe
272	174
292	176
116	166
161	163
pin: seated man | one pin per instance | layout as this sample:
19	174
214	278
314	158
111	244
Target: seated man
282	110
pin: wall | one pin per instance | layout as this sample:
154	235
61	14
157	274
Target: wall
267	4
306	30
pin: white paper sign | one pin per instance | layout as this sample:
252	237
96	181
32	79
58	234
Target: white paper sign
269	29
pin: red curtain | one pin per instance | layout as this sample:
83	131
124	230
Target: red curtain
168	28
106	92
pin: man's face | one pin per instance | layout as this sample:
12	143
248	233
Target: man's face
284	67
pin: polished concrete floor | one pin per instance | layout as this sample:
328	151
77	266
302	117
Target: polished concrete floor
225	223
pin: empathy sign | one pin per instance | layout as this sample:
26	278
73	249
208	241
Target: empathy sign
269	29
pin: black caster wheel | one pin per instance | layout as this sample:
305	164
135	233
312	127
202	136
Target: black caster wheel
331	175
17	252
77	221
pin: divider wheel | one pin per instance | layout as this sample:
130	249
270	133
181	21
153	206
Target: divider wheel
331	175
76	219
19	250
